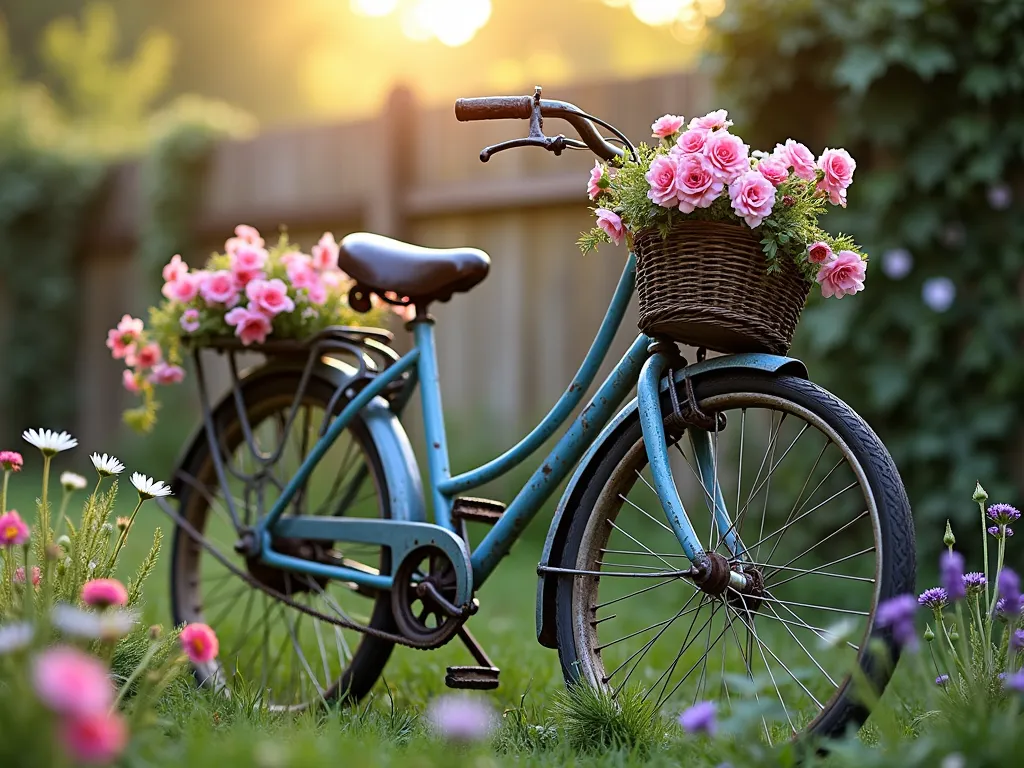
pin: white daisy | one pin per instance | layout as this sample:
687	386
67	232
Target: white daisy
106	465
149	488
48	441
72	481
109	625
14	637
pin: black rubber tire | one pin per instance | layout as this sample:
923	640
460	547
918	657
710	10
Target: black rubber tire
898	554
261	393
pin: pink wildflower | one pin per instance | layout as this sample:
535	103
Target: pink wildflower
837	167
103	593
460	718
696	187
819	252
71	682
269	296
200	643
325	253
611	224
726	156
220	287
96	738
843	276
667	125
662	178
121	340
712	121
753	197
146	357
250	324
593	183
13	530
798	157
189	321
175	270
131	382
19	575
165	373
11	461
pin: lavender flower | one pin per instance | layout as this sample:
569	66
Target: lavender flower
942	679
1015	682
897	615
951	569
934	598
700	718
1001	606
1008	589
1017	639
1003	514
460	718
974	582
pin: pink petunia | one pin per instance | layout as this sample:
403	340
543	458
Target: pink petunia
269	296
13	530
131	382
611	224
19	575
71	682
104	593
220	288
837	168
121	340
146	357
696	187
249	235
165	373
593	183
251	325
726	156
306	279
94	739
325	253
200	643
843	276
247	263
662	178
182	290
667	125
175	270
11	461
796	156
189	320
753	197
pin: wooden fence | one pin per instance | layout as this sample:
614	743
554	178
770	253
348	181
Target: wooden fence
509	347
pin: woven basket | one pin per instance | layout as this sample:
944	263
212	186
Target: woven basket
705	285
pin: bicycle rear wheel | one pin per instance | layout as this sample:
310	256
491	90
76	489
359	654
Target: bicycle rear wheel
295	658
823	516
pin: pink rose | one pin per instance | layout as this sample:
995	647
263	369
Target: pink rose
610	222
774	170
175	270
819	252
726	156
662	178
696	187
250	324
146	357
712	121
121	340
843	276
189	321
182	290
165	373
325	253
97	738
752	197
131	382
247	264
269	296
666	126
220	288
796	156
596	174
71	682
692	141
838	167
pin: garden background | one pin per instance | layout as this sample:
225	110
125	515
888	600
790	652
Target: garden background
130	131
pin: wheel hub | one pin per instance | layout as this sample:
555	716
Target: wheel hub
751	597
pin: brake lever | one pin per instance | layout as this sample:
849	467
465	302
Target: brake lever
551	143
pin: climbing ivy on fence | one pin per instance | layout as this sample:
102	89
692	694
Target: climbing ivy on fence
928	96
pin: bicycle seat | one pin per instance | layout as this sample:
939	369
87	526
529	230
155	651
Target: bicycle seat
423	274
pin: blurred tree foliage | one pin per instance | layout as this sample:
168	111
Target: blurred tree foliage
928	95
58	137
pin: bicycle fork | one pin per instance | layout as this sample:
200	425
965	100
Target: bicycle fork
711	571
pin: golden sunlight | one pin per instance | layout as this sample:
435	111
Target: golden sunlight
451	22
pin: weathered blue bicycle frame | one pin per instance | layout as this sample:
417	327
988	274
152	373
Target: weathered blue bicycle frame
638	366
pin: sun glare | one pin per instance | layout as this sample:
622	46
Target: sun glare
374	7
450	22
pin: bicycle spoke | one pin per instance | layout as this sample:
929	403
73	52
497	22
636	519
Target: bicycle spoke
801	572
649	627
594	608
643	511
638	543
818	544
793	509
813	509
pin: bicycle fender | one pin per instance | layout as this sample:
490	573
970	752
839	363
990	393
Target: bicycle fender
558	531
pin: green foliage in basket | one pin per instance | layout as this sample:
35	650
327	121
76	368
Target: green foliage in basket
929	95
704	172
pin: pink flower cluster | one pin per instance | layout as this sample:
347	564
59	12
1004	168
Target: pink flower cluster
839	274
77	688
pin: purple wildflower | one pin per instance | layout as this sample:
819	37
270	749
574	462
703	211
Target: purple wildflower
934	598
951	568
1017	639
1003	514
460	718
1015	682
897	615
1008	589
1001	606
1000	531
700	718
974	582
942	679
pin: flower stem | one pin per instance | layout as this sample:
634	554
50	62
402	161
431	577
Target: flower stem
150	653
44	510
124	536
964	647
62	515
995	595
984	547
3	493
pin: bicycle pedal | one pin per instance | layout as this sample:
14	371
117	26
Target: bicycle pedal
477	510
475	678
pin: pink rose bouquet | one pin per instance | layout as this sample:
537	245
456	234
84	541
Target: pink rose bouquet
702	170
251	291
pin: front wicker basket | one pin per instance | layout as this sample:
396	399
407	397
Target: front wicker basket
705	285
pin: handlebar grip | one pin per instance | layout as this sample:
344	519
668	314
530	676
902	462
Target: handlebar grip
494	108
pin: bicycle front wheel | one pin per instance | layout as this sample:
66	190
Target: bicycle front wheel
824	525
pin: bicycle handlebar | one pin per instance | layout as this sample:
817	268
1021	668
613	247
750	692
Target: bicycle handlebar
521	108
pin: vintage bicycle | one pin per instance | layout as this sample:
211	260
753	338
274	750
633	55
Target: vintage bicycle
731	522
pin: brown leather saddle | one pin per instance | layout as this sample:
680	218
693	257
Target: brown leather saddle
380	264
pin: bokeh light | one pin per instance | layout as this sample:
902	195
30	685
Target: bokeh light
374	7
450	22
656	12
